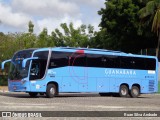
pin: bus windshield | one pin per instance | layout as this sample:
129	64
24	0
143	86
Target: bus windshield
16	72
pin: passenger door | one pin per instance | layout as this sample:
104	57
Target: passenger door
37	71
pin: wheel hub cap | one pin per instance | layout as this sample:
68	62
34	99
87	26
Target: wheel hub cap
123	91
135	92
52	91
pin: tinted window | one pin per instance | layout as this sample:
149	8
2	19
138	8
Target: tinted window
138	63
150	64
41	55
126	62
95	60
77	59
112	61
38	67
59	59
22	55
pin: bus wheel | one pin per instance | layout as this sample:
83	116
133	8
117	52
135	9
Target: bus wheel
33	94
135	92
123	91
51	91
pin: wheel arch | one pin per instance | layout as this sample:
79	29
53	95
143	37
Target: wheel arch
136	84
125	85
55	83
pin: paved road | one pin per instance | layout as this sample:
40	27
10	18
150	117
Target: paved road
79	102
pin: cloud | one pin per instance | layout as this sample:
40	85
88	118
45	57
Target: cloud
53	23
45	8
10	18
91	3
48	13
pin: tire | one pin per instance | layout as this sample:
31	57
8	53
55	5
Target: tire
135	92
123	91
33	94
51	91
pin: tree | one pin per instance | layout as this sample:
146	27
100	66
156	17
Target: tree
7	46
43	39
25	40
121	26
101	40
151	13
30	27
73	37
57	38
2	45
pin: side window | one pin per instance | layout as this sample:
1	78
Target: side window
112	61
144	63
139	63
150	64
58	59
94	60
126	62
77	59
38	67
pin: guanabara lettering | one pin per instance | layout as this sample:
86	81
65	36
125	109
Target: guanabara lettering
120	72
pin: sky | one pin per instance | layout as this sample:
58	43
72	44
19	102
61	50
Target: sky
15	14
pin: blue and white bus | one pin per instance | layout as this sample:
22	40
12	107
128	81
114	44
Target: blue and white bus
64	69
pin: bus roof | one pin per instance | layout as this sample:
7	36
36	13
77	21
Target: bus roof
94	51
100	51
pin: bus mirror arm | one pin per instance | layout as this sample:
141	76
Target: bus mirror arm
4	62
25	61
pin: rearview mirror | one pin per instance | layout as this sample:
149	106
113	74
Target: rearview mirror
25	61
4	62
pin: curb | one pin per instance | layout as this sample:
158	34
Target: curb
4	89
